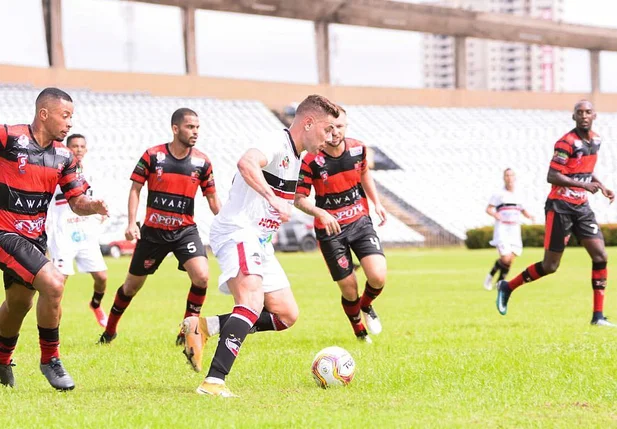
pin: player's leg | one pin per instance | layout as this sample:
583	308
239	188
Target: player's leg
590	235
90	260
145	261
505	262
18	302
556	235
488	280
191	256
367	246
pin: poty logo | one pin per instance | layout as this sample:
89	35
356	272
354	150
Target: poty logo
350	212
30	226
160	219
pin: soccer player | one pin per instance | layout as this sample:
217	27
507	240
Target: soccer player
173	171
568	211
33	161
73	237
260	200
342	182
506	206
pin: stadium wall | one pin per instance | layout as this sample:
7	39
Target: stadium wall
278	95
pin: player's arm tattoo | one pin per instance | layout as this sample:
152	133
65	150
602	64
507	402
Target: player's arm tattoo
303	203
83	205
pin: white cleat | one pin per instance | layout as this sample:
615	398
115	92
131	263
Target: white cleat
372	322
488	282
603	322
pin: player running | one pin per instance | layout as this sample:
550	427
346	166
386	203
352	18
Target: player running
174	171
73	237
33	161
506	206
260	200
568	211
342	182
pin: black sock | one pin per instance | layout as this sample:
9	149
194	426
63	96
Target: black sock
504	269
495	268
233	333
268	322
97	297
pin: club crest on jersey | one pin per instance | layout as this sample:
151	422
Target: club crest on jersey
160	157
343	262
61	167
358	165
324	175
159	173
320	160
23	141
284	162
22	161
194	176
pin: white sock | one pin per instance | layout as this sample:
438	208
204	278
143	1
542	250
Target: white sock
214	327
214	380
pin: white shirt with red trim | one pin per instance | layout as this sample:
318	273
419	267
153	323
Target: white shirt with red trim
509	205
246	209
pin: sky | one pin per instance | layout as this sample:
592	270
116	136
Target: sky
125	36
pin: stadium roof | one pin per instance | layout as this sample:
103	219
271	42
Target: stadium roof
419	17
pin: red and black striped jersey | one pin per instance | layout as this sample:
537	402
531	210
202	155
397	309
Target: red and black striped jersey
337	182
172	185
576	158
29	174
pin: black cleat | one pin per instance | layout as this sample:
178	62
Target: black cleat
6	375
106	338
56	375
503	296
180	339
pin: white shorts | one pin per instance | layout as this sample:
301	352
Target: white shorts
505	249
89	259
249	257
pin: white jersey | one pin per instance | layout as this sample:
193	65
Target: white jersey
65	229
509	205
249	212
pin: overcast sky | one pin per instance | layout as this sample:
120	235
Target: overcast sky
118	35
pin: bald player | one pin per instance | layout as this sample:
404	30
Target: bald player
568	211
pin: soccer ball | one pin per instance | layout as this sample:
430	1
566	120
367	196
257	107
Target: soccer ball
333	366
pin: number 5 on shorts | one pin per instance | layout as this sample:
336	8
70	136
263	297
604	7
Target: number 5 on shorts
191	247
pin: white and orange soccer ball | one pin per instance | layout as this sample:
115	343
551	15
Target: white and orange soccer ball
333	366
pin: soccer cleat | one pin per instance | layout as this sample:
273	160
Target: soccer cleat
100	315
106	338
56	375
488	282
6	375
503	295
363	337
195	330
371	320
180	339
215	389
603	322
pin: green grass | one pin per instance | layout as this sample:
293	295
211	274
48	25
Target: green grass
446	358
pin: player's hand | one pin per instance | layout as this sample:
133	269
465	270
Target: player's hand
608	194
329	222
497	216
99	207
132	232
381	212
283	209
592	187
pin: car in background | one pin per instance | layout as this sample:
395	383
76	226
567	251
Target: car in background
296	235
118	248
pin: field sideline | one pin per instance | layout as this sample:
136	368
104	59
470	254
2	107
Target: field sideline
446	358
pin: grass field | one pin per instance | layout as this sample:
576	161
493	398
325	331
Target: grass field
446	358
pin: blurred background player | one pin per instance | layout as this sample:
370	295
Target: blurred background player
568	211
342	181
174	171
260	199
506	206
33	161
72	237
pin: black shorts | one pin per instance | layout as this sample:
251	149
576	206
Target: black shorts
20	259
359	236
148	255
559	227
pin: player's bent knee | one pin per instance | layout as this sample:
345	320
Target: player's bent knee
201	281
377	281
551	267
